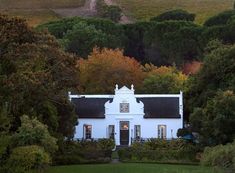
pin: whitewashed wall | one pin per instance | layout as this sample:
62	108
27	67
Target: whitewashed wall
149	127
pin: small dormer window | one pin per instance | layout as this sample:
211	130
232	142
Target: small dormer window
124	107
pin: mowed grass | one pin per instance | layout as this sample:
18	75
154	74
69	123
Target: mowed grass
145	9
130	168
33	17
40	4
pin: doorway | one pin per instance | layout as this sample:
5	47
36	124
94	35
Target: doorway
124	132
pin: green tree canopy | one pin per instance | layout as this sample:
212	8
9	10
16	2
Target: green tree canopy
80	36
113	12
177	14
35	75
217	72
163	80
83	38
173	42
220	19
216	121
33	132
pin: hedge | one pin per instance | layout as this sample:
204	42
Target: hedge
161	151
80	152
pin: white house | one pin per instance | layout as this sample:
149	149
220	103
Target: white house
126	116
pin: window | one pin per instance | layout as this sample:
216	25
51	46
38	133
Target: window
124	125
124	107
111	131
162	131
137	132
87	131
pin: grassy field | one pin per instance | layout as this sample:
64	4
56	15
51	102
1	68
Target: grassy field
38	4
37	11
33	17
145	9
130	168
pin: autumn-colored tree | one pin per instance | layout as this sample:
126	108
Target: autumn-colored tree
162	80
105	68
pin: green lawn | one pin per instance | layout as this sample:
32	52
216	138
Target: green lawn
130	168
145	9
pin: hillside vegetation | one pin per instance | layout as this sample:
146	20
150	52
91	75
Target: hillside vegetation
36	4
144	10
33	17
37	11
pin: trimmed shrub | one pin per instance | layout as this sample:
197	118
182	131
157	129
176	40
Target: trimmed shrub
25	158
78	152
163	151
106	144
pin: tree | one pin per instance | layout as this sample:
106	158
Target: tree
172	42
113	12
163	80
35	75
220	19
33	132
223	32
134	44
110	67
80	36
216	121
216	73
83	38
5	125
174	15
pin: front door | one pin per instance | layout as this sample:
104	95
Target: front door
124	132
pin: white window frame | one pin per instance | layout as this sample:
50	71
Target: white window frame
110	133
162	131
85	135
135	132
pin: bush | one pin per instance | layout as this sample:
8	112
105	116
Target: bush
157	150
33	132
182	132
222	156
28	157
174	15
78	152
106	144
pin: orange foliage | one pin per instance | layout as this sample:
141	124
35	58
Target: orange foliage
192	67
105	68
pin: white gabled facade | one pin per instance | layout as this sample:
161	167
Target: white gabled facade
126	115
